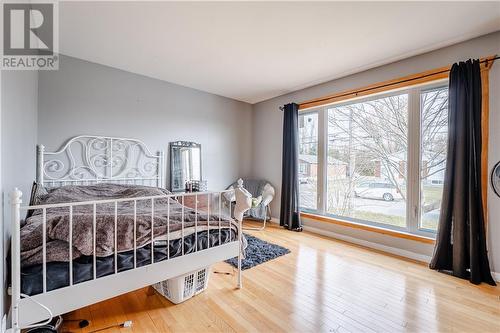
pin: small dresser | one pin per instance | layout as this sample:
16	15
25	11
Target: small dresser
191	198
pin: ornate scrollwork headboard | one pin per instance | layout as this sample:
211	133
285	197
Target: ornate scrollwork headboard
86	160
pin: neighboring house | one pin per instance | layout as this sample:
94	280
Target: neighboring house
308	167
433	167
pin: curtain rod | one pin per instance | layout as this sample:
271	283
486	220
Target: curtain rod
397	82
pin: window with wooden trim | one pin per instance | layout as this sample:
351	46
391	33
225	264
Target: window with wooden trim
377	160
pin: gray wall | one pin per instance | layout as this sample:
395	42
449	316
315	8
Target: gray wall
87	98
19	91
267	128
19	129
493	158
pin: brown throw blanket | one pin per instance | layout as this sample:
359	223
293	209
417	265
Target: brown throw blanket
167	213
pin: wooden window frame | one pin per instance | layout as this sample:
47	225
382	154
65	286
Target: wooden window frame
407	82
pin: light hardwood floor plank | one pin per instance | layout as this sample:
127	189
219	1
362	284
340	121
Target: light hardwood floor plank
323	285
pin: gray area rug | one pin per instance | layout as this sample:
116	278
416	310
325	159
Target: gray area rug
258	252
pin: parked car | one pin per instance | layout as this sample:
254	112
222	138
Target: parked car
377	190
307	180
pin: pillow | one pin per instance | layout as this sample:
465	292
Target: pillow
256	201
37	191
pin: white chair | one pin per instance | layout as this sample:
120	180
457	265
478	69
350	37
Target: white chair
262	194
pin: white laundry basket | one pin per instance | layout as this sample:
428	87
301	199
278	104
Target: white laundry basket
185	286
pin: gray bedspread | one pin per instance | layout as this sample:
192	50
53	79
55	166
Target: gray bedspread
167	214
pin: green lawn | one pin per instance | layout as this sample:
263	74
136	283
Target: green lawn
432	193
393	220
432	200
429	224
381	218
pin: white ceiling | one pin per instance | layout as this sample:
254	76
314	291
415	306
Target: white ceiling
255	51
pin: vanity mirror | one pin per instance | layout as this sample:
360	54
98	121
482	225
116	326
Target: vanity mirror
185	164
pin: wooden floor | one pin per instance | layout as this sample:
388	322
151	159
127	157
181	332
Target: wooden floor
322	285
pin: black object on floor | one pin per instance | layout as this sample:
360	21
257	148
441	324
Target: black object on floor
258	252
81	322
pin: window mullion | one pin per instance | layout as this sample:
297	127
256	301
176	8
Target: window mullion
322	159
413	177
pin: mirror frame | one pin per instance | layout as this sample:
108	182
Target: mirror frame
175	144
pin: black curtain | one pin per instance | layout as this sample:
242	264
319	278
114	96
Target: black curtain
461	238
289	214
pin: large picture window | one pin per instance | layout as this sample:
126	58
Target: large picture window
383	159
368	148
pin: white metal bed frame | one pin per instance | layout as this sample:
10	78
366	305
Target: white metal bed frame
114	160
101	159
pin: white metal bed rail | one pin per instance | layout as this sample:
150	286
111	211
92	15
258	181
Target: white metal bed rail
243	203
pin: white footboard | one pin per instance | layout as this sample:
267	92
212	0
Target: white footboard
28	310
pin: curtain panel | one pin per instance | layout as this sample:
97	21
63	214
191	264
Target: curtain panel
461	238
289	213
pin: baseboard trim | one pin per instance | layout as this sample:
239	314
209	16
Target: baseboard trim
376	246
362	242
275	220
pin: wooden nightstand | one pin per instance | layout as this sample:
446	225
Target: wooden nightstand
190	200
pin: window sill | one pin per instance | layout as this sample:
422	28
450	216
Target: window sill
355	225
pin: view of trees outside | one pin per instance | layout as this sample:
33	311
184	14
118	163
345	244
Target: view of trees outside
434	138
367	158
371	139
308	160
